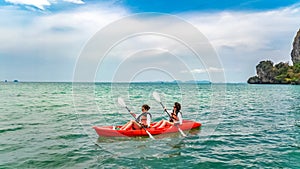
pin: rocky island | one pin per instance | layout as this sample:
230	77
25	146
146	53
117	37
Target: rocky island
281	73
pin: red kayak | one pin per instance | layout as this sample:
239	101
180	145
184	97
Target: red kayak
111	131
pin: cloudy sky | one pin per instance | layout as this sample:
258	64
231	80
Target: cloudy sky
48	40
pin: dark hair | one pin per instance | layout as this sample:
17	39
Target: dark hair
178	106
146	107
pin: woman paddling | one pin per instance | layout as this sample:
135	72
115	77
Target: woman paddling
143	120
176	117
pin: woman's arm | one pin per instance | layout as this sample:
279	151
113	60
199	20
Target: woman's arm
174	116
134	115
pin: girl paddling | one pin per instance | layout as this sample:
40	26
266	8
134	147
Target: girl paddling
176	117
143	120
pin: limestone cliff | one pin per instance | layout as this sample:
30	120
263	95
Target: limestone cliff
295	54
265	73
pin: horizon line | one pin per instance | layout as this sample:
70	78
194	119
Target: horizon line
174	82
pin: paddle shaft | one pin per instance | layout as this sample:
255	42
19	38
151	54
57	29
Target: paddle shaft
166	110
131	114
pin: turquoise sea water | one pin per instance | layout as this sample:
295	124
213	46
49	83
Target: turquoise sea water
49	125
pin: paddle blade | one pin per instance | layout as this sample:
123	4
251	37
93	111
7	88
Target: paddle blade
156	96
121	102
181	132
150	135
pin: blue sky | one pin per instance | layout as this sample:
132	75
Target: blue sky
42	40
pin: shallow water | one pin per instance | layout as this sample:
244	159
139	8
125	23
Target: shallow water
49	125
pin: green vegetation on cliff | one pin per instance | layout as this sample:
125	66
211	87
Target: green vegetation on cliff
281	73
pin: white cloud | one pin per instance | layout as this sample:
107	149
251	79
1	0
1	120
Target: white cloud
52	32
37	3
41	3
49	40
208	70
247	31
75	1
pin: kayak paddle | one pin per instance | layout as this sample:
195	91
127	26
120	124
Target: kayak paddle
122	103
157	98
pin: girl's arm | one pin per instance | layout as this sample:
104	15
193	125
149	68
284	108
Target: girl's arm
175	117
134	115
